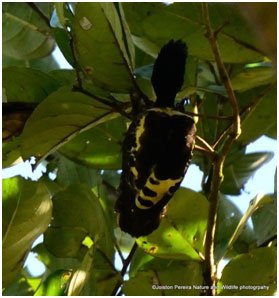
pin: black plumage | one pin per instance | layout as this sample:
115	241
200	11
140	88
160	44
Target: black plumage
157	148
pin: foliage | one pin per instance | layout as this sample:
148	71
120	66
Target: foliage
74	121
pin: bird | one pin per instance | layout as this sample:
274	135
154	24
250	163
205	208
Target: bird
157	148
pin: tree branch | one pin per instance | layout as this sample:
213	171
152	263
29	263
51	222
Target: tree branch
124	268
217	176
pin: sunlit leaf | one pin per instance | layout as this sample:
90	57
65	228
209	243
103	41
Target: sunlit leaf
168	278
55	284
27	213
58	119
181	232
99	147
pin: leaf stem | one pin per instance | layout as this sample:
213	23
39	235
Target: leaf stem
217	176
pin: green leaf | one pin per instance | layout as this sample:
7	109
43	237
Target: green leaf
264	222
55	284
253	274
22	286
69	172
99	147
240	168
64	76
236	41
253	77
104	48
74	219
10	152
257	202
58	119
52	263
261	119
46	64
166	277
25	34
228	218
63	41
181	232
26	214
27	85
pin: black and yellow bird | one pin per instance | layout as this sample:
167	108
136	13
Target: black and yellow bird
157	148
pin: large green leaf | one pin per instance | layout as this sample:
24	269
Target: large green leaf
77	213
27	85
253	77
236	41
240	168
264	222
253	274
69	172
104	47
228	218
26	214
181	232
25	34
261	119
47	63
99	147
58	119
166	277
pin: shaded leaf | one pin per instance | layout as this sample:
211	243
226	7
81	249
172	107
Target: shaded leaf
101	46
63	41
69	172
261	119
47	63
25	34
240	168
257	202
70	226
27	85
253	77
27	213
185	22
228	218
249	271
58	119
264	222
181	232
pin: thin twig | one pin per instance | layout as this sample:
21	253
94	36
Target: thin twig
217	176
124	268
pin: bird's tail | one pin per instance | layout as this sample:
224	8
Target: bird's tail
168	72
